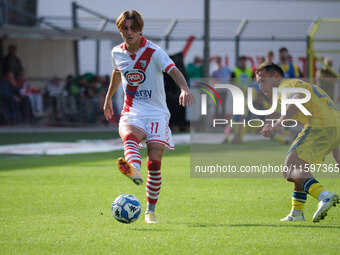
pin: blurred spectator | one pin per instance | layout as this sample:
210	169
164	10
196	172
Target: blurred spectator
72	98
269	57
9	104
22	100
91	99
221	74
221	71
297	71
103	85
33	94
195	69
82	84
326	79
286	65
55	96
242	74
11	63
260	60
71	87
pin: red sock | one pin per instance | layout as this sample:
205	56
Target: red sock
154	181
131	151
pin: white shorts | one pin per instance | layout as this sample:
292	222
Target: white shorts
156	128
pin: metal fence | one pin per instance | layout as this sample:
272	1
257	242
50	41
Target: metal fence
94	35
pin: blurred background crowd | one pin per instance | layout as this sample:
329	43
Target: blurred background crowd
63	100
243	76
79	100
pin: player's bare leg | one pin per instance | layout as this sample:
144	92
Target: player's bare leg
298	170
298	174
130	165
154	181
305	182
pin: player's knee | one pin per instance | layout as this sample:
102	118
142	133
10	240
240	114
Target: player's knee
290	179
130	136
287	176
155	155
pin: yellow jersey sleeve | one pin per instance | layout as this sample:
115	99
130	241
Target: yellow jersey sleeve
321	106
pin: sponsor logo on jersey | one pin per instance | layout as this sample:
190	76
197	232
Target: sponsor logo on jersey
135	77
139	94
142	63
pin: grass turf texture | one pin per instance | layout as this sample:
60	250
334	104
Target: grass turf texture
15	138
62	204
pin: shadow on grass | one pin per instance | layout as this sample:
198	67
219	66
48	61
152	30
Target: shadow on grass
21	162
265	145
216	225
151	229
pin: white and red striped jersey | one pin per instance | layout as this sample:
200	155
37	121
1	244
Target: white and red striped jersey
142	78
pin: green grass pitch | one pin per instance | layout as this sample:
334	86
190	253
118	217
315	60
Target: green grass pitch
62	205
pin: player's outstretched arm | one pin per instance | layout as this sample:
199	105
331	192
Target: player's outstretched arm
114	83
186	98
292	109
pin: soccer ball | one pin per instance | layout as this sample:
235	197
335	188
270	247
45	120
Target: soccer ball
126	208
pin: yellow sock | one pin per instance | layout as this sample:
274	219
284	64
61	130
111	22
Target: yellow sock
298	201
297	205
315	190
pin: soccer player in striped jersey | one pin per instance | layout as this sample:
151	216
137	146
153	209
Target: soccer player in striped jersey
321	135
138	64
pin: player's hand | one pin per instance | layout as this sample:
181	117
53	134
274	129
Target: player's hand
269	129
266	130
108	110
186	98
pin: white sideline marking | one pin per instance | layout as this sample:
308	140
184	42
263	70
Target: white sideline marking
91	146
82	146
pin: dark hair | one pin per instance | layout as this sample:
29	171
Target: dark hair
12	46
93	79
271	68
283	49
242	58
197	59
69	78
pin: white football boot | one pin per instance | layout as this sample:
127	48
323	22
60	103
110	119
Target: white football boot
292	217
324	205
150	217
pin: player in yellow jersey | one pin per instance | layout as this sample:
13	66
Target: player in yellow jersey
321	135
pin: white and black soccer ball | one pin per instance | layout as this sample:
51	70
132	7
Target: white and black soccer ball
126	208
